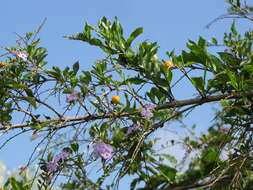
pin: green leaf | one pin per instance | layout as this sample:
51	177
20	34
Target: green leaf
73	81
233	29
67	91
214	41
94	130
172	159
248	68
186	64
199	83
134	80
155	92
215	64
76	67
87	76
29	92
133	36
192	57
31	100
56	72
95	42
87	30
168	75
36	126
202	42
117	26
169	172
14	184
98	106
233	80
118	136
211	156
228	58
74	146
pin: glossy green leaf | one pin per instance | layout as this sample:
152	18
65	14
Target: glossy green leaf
168	171
233	80
199	83
76	67
134	35
74	147
135	80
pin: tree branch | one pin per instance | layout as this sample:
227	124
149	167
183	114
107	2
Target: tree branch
196	185
172	104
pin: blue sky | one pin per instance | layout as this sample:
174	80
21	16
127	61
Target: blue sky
169	22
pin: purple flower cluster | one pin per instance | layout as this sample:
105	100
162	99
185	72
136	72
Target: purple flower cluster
54	164
102	150
147	111
21	54
72	97
133	128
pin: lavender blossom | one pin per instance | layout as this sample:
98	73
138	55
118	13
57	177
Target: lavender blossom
61	156
133	128
151	106
102	150
54	164
72	97
147	111
21	54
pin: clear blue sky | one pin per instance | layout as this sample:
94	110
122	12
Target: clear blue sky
169	22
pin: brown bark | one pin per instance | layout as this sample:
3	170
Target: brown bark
172	104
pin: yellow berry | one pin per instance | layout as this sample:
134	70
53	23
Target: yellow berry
2	64
22	86
116	99
168	64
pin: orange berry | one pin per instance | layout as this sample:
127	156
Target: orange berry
2	64
168	64
116	99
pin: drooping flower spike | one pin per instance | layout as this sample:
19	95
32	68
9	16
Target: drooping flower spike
55	163
103	150
147	111
133	128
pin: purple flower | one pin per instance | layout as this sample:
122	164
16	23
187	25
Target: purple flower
21	54
72	97
151	106
102	150
133	128
34	135
147	111
52	166
61	156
